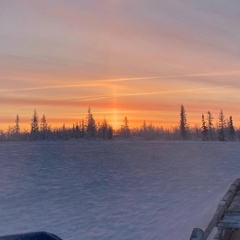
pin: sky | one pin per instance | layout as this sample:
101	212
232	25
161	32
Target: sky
136	58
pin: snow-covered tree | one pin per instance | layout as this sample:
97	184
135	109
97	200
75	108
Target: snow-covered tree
204	129
143	130
43	127
34	126
110	132
105	131
183	123
125	130
64	132
43	124
82	129
231	129
210	125
221	126
17	127
195	132
91	125
75	132
11	133
149	131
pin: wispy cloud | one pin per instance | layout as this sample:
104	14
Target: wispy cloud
237	72
103	82
93	84
192	90
90	83
84	100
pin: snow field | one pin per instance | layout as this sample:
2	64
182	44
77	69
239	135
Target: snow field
119	189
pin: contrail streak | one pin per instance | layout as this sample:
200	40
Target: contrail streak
169	91
103	82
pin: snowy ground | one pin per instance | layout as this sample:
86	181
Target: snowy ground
120	189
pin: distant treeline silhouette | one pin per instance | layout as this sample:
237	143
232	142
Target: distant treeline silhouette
223	130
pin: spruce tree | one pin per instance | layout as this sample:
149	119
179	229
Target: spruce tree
34	126
231	129
144	129
43	127
77	131
82	129
204	129
64	132
17	127
125	130
221	126
91	125
103	129
183	123
210	125
110	132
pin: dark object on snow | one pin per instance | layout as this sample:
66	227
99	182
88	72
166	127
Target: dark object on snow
31	236
226	218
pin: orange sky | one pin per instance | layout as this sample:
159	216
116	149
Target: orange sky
140	59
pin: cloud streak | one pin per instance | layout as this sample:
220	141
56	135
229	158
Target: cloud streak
103	83
76	101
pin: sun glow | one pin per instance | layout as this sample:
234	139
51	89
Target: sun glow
122	59
115	120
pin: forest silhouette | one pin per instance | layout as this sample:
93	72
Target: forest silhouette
88	128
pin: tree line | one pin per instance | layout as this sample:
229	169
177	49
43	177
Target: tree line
222	131
88	128
41	130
